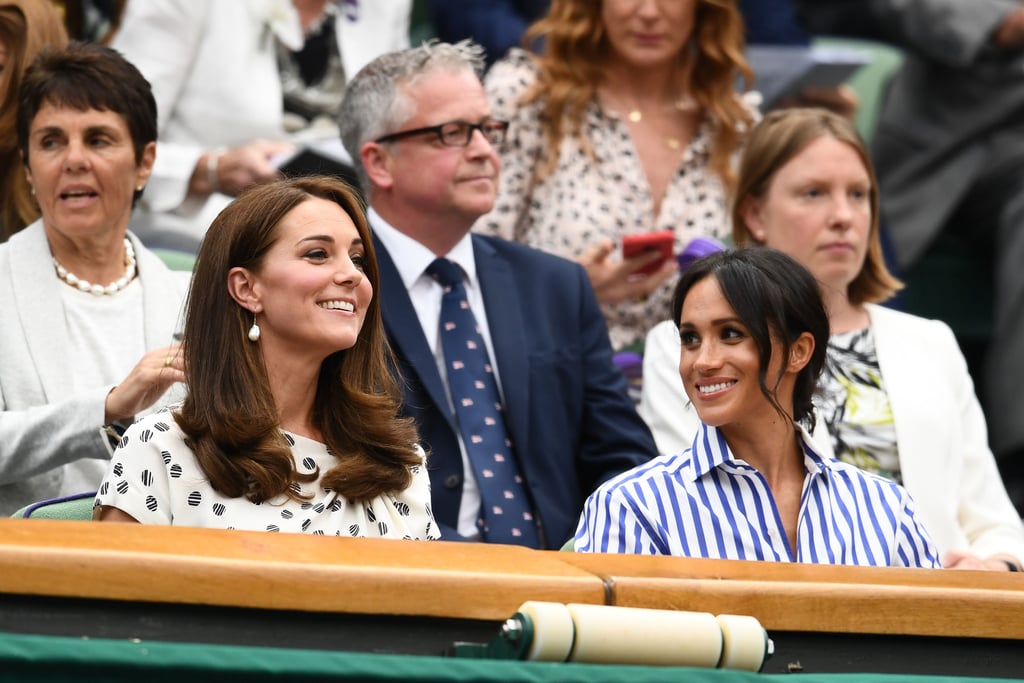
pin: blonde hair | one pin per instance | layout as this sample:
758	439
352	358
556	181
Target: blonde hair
571	68
779	137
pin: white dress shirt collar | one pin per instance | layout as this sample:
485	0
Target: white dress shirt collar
412	258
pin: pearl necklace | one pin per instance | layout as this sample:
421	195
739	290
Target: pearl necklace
99	290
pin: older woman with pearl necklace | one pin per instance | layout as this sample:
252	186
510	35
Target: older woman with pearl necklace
87	341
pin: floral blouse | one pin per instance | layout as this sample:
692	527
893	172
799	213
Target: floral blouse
855	405
586	199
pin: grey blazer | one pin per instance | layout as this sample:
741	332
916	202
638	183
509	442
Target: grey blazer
937	123
42	427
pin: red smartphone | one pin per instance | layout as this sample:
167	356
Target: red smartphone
662	241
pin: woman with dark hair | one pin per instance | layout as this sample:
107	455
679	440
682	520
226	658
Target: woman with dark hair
624	121
753	486
89	315
888	402
292	417
26	27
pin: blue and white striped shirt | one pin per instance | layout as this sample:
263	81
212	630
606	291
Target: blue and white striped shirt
707	503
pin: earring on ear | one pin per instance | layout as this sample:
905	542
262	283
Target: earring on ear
254	331
139	188
759	235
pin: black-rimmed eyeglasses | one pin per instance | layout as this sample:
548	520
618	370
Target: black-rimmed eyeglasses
456	133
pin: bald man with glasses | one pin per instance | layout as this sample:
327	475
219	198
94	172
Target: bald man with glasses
503	350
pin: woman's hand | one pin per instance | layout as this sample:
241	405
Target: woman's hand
958	559
148	380
617	281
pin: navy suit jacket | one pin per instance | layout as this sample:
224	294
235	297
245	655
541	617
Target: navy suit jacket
566	406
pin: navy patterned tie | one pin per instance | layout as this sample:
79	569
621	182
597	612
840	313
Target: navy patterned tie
505	508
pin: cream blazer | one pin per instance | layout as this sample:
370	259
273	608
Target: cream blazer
42	427
945	460
213	68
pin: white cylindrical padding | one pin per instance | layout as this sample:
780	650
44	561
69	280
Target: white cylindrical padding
745	642
633	635
553	630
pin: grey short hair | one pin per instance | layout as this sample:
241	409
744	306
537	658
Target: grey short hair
374	104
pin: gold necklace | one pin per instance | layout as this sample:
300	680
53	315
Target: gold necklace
683	104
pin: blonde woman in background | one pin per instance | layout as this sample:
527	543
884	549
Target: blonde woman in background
895	398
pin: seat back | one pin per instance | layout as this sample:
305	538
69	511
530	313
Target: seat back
75	508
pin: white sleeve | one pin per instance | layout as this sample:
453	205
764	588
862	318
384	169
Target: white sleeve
161	38
137	481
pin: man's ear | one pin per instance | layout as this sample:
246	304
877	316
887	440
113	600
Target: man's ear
244	289
800	352
378	163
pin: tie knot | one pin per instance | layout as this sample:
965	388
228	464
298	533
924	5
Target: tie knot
445	272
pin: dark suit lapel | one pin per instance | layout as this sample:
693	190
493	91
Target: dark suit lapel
403	329
508	336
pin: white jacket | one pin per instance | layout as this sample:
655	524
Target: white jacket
945	459
213	69
43	427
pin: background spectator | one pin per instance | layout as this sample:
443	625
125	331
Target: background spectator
90	314
26	26
542	416
625	124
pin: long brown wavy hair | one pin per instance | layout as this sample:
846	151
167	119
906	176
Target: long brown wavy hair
26	26
572	64
779	137
229	415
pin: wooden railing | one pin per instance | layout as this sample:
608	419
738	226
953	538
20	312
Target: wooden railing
472	581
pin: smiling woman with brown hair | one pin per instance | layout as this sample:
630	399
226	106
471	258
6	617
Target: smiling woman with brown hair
291	421
753	486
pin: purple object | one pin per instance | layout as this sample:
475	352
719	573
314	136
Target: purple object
630	362
699	247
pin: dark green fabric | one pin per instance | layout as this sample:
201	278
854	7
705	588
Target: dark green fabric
59	659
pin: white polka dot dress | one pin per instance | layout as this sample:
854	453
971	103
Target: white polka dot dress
155	478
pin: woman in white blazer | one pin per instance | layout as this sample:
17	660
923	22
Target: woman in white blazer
895	397
88	314
214	71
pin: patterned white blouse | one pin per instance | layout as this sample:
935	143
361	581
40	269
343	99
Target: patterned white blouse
155	478
586	199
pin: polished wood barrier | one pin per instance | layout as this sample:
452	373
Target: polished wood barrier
125	562
282	571
820	598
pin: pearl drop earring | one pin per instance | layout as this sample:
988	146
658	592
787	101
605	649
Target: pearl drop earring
254	331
